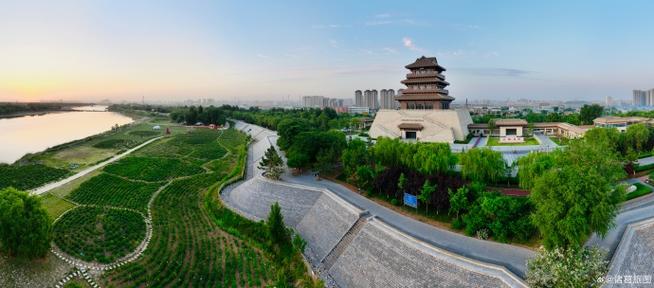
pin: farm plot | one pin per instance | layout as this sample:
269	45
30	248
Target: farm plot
188	249
25	177
110	190
197	145
152	168
99	234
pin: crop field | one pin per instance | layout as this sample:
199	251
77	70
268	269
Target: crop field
25	177
188	249
99	234
194	244
110	190
152	168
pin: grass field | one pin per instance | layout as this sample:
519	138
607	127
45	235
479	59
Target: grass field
55	205
495	141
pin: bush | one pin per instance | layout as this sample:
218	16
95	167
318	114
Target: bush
581	267
504	217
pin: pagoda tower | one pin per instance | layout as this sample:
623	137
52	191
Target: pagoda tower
425	86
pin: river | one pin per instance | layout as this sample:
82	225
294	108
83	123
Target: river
30	134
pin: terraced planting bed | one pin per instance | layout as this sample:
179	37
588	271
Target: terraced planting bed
152	168
25	177
196	242
99	234
110	190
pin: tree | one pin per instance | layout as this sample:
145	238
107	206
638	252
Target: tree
280	237
365	177
580	196
459	202
637	136
272	164
355	154
532	166
425	193
482	165
388	152
289	128
588	113
25	228
559	267
401	183
430	158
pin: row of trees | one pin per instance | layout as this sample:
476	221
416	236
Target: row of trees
191	115
585	117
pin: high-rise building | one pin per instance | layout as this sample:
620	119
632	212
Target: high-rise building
358	98
650	97
425	86
313	101
371	99
642	98
387	99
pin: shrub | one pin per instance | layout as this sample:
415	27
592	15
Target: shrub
560	267
504	217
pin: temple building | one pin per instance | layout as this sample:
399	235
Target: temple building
424	113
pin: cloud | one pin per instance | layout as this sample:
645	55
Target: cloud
383	15
408	43
329	26
334	43
495	72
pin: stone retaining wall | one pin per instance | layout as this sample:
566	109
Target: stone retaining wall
381	257
325	224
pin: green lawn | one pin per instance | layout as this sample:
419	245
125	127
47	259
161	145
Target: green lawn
54	205
640	191
495	141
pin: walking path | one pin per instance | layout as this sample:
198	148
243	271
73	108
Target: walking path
514	258
53	185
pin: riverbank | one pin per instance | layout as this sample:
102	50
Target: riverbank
63	160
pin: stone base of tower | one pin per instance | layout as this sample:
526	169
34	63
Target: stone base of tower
422	125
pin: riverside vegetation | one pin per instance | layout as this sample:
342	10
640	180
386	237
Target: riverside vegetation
196	241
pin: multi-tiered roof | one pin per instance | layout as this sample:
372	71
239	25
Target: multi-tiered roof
425	86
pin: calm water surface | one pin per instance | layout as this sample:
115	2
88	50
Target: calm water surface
29	134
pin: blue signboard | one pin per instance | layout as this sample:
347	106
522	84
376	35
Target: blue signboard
410	200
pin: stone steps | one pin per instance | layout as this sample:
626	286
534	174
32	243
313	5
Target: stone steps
338	250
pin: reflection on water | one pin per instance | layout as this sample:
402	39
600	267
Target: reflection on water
29	134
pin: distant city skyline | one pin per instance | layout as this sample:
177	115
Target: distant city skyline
279	51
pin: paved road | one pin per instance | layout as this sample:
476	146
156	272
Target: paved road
635	210
624	218
52	185
512	257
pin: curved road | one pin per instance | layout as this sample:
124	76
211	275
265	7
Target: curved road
49	186
513	258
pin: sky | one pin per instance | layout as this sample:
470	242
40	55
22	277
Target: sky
277	50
